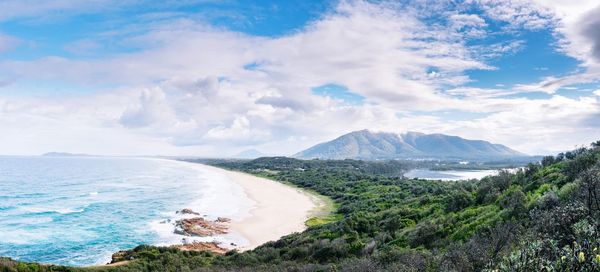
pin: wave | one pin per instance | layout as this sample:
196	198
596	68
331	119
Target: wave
23	237
121	204
43	210
6	208
218	196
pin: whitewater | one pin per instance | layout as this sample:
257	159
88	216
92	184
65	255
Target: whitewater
80	210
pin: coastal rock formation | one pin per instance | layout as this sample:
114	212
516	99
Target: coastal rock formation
223	220
187	211
121	256
203	246
199	226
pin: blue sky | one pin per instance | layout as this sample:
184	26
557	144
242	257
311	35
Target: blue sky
218	77
52	33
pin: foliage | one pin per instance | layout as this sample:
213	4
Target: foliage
544	216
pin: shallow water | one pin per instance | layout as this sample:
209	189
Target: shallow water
80	210
449	175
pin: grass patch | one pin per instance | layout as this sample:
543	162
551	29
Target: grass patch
322	220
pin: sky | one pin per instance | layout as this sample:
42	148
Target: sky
214	78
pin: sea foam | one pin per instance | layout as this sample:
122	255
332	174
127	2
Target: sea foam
77	211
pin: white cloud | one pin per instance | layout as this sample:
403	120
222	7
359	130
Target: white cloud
152	109
240	130
491	51
195	88
517	13
478	93
573	18
7	42
470	24
538	126
551	84
576	26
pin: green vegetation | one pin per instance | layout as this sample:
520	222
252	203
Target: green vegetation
544	217
322	220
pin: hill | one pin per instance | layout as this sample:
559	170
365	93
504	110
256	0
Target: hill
369	145
249	154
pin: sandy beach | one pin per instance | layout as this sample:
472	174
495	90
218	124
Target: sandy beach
280	209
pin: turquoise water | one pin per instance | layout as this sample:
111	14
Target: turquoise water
80	210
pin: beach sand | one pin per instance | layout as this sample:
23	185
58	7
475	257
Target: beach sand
279	210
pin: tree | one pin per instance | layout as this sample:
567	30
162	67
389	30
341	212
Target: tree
458	200
590	189
513	201
548	160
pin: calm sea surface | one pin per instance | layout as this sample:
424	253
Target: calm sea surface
449	175
80	210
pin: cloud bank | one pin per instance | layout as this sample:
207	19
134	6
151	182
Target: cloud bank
194	89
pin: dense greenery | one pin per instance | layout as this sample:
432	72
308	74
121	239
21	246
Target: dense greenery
389	168
545	216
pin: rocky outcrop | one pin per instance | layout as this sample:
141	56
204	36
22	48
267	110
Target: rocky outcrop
187	211
121	256
198	226
194	226
223	220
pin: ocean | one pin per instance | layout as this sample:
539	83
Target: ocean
80	210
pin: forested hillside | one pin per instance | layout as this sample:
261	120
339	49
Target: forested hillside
543	217
368	145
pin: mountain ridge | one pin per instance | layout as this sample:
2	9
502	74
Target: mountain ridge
250	154
365	144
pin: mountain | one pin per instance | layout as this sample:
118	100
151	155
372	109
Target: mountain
250	154
368	145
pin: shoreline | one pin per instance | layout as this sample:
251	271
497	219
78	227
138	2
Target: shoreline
275	210
279	209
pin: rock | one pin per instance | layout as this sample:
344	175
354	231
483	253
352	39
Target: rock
198	226
187	211
179	231
223	220
120	256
